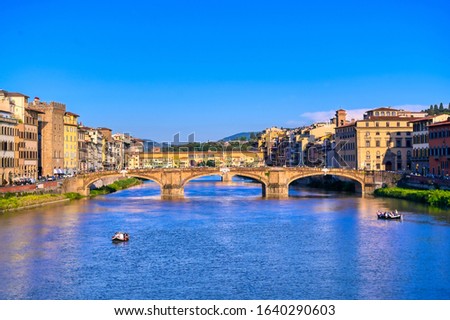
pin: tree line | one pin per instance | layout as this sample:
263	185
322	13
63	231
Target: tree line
435	109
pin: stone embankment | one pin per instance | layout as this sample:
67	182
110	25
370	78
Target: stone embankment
30	196
39	188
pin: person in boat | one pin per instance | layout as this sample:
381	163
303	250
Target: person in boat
119	236
393	214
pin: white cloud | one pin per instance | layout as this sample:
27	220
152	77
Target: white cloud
308	118
411	107
317	116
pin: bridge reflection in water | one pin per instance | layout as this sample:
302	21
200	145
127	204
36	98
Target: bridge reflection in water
275	181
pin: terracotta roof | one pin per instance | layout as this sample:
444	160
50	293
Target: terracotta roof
17	94
442	123
422	119
384	109
71	114
351	124
386	118
34	109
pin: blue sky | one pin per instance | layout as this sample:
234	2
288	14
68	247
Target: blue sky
215	68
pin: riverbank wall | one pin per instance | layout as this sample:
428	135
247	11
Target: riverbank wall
25	197
38	188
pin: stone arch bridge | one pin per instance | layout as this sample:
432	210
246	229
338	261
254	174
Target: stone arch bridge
275	181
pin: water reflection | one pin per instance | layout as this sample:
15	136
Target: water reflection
225	242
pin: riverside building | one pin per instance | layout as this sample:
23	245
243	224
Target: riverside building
421	147
8	132
382	140
51	143
439	148
71	152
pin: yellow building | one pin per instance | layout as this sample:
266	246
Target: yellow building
344	151
186	159
268	140
71	152
381	141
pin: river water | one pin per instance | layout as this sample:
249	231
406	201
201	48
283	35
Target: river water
225	242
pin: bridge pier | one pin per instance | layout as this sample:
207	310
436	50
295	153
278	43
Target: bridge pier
227	177
277	186
275	191
172	192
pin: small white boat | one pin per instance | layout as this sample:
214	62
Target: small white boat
389	215
120	237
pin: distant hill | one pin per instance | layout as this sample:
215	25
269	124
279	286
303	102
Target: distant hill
149	143
238	136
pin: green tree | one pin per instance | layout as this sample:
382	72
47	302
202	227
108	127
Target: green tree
441	107
435	109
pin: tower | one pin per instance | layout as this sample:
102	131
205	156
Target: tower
341	116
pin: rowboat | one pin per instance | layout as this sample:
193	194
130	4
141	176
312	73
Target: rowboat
120	237
388	215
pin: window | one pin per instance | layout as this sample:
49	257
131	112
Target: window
377	143
398	143
367	143
408	143
377	133
367	155
387	124
398	124
378	155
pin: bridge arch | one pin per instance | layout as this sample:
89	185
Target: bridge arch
337	174
230	174
87	183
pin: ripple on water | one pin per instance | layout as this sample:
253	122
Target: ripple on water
225	242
